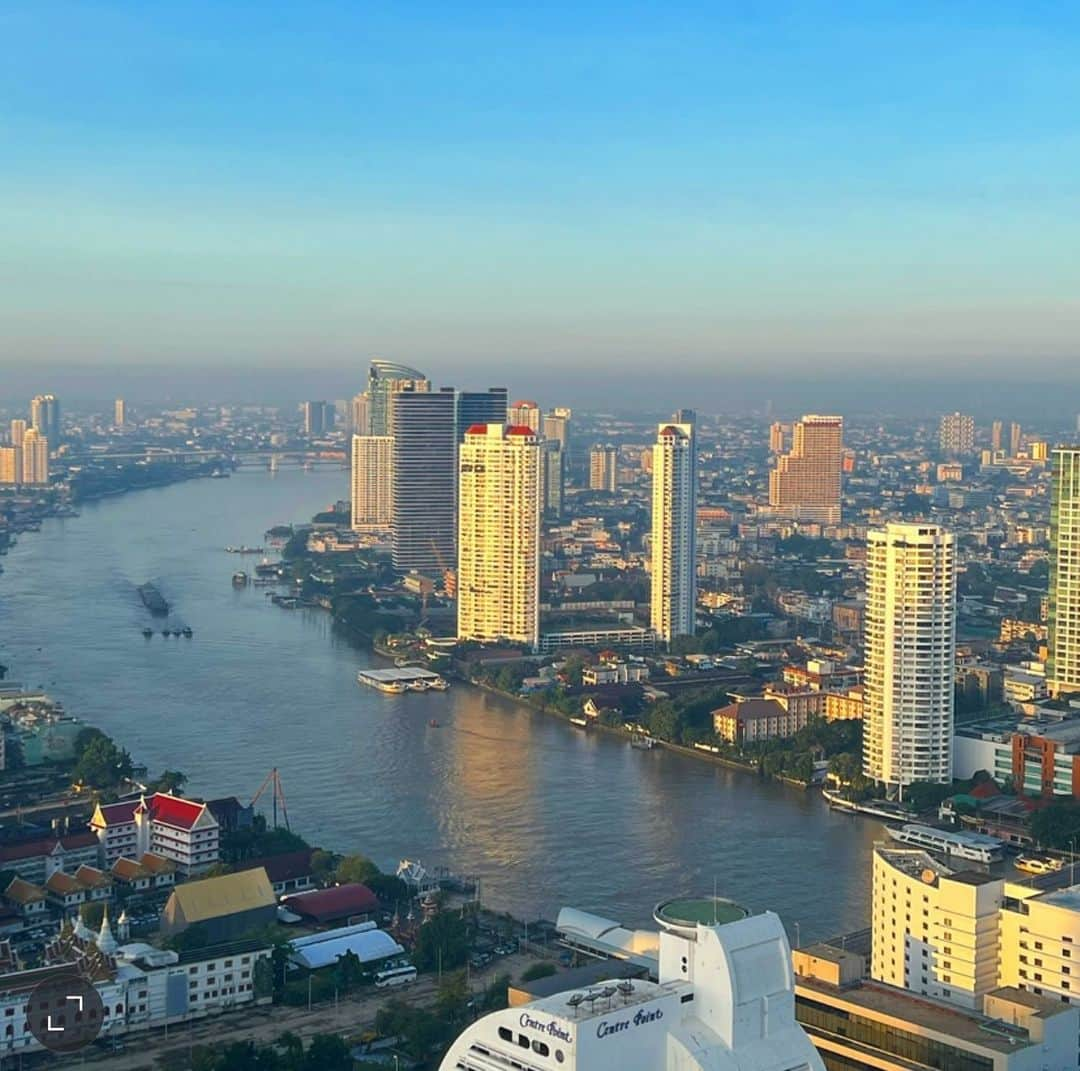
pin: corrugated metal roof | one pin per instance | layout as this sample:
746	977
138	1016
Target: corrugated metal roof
368	945
230	894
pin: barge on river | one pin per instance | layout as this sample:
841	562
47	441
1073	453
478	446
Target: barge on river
404	679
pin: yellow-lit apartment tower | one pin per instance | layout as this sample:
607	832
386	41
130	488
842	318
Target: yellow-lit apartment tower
499	534
372	482
1063	664
805	483
35	457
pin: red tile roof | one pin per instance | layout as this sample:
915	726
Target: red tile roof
329	905
119	814
525	404
174	811
519	429
285	867
477	429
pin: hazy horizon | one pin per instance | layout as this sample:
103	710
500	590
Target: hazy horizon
570	185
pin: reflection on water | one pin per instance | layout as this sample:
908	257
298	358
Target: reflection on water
546	815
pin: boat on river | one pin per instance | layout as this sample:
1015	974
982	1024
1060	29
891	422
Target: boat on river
875	808
153	600
977	847
642	741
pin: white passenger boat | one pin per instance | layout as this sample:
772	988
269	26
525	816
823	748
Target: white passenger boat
978	847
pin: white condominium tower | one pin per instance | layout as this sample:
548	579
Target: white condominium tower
956	435
372	466
498	582
1063	665
910	654
805	483
673	519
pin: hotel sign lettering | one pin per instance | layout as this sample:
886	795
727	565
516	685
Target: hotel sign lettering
605	1029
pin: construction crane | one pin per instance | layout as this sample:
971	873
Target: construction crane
273	778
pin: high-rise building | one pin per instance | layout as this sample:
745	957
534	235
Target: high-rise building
552	478
424	479
360	418
1016	437
805	482
556	425
778	436
674	515
480	407
18	431
314	418
995	437
372	486
956	435
910	651
384	378
45	418
10	464
1063	663
119	413
603	468
498	578
35	457
525	414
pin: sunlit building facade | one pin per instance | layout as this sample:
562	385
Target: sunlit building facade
673	580
372	487
805	482
35	457
499	534
910	652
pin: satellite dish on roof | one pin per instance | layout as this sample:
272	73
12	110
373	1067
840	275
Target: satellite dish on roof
575	999
626	988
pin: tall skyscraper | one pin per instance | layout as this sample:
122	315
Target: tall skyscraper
525	414
1063	664
805	482
372	487
18	431
995	437
603	468
314	418
910	654
35	457
119	413
424	479
1016	437
480	407
956	435
45	418
778	433
498	580
384	378
674	515
552	478
360	420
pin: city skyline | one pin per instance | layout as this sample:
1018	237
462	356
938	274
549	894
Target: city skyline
591	189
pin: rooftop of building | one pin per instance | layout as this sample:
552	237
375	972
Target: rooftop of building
966	1026
912	861
604	997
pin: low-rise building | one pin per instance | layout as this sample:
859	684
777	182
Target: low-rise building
148	872
27	899
225	907
750	721
37	860
844	706
183	830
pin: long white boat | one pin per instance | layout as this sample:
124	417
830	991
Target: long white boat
875	808
977	847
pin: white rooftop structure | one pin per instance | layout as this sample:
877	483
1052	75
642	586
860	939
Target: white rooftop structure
725	1001
368	943
606	938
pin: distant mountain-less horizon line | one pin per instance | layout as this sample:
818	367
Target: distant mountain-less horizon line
627	390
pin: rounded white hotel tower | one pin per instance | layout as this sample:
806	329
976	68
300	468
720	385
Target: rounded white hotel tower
910	654
725	1001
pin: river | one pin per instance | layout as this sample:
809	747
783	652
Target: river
545	815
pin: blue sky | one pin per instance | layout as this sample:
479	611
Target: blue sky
708	187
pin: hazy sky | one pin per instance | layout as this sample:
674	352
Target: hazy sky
708	187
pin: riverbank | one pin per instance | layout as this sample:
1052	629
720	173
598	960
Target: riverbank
494	791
